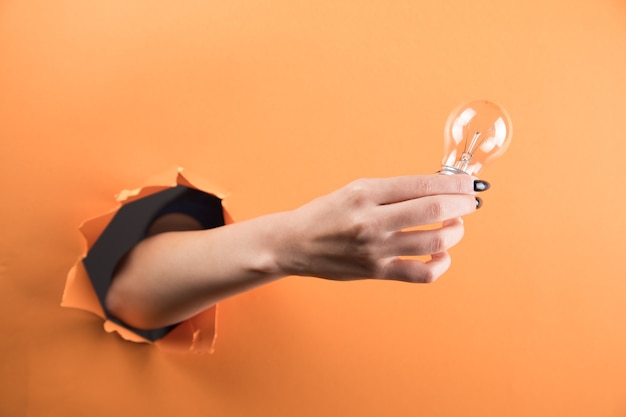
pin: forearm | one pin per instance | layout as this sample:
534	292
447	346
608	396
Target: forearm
172	276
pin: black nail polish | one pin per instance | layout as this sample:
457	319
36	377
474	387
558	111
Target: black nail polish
480	185
479	202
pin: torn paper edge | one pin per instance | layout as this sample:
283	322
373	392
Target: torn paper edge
197	334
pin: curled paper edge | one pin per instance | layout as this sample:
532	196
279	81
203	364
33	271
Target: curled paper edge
197	334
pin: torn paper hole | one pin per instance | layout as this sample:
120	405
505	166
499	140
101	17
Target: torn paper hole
111	235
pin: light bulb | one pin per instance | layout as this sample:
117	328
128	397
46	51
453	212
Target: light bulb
476	133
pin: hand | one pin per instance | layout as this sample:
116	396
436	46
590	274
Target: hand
359	231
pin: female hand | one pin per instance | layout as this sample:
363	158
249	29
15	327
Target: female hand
356	232
359	231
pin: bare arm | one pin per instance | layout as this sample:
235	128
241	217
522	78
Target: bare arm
356	232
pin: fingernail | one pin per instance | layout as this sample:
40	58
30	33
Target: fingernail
480	185
479	202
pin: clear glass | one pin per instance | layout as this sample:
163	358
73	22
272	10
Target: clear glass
476	133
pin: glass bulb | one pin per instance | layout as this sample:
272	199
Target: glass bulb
476	133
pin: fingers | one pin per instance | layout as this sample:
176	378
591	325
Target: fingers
424	242
426	210
397	189
409	270
361	230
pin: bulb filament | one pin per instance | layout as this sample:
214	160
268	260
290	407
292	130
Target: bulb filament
468	153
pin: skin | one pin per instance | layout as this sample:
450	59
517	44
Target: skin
356	232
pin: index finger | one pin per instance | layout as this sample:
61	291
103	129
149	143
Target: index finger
409	187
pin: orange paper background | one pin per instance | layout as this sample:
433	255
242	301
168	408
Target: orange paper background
279	102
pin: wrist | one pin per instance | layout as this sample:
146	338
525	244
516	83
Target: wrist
278	244
271	246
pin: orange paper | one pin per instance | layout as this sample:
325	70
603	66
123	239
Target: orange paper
196	334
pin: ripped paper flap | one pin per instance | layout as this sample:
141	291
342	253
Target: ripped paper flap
196	334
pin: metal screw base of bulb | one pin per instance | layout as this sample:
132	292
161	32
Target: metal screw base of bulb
446	170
